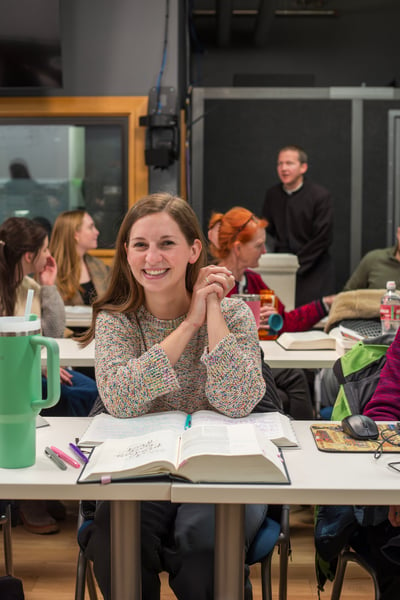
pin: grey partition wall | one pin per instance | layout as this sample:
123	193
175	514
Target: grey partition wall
236	133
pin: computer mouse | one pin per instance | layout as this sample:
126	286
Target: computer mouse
360	427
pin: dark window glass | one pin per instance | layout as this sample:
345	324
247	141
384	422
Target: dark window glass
49	168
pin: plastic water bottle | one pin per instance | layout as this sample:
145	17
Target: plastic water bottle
390	309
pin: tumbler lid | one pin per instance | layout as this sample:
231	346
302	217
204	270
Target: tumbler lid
15	326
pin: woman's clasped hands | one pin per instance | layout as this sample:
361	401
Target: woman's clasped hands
213	284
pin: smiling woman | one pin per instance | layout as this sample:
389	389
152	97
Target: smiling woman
167	338
158	255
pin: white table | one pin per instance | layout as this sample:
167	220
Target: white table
278	357
78	316
316	478
72	354
46	481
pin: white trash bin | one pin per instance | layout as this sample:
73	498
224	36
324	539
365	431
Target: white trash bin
279	273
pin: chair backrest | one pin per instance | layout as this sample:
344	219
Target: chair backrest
84	570
348	555
5	522
274	533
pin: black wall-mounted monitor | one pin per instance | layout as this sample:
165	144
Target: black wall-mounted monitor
30	44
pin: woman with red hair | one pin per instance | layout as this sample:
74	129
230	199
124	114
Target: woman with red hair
237	240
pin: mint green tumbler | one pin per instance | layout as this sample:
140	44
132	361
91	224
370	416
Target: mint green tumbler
21	387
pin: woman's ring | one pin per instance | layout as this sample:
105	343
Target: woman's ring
206	280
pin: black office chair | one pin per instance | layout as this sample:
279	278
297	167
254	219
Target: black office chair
5	522
349	555
84	570
260	551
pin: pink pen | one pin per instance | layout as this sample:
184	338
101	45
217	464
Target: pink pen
66	458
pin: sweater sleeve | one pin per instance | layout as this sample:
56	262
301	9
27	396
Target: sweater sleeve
235	383
359	278
127	378
385	402
303	317
52	311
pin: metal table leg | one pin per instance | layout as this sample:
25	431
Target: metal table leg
125	550
229	552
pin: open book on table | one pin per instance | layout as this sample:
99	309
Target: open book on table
274	426
207	453
307	340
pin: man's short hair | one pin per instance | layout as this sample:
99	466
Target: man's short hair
303	158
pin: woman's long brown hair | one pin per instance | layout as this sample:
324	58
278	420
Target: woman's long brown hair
124	293
17	236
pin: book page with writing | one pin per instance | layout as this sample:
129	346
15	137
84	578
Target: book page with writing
105	427
149	454
219	453
276	427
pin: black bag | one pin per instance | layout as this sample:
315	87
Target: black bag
270	401
11	588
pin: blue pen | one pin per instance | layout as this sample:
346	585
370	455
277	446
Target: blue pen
78	452
188	422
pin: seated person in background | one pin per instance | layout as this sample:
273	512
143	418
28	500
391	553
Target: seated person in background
378	537
237	242
24	251
81	277
167	338
22	195
376	268
26	263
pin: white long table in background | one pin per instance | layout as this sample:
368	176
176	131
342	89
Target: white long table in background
72	354
278	357
78	316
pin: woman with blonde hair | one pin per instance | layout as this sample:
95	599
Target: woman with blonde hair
81	277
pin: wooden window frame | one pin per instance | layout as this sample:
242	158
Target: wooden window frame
130	107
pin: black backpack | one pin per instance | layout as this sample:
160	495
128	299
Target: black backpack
11	588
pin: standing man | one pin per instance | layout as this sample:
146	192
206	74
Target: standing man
300	221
